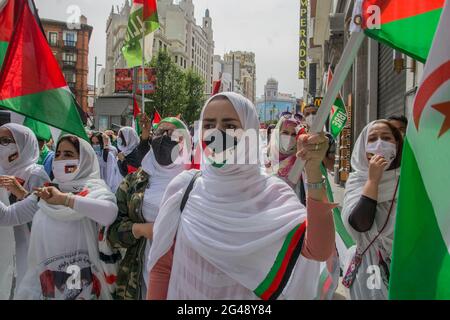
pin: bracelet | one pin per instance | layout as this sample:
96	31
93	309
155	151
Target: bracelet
315	186
68	197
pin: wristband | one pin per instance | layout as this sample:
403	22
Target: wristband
68	197
315	186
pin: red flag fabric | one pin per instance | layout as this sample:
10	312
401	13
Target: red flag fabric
156	118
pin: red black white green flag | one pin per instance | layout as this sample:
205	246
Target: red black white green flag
31	82
405	25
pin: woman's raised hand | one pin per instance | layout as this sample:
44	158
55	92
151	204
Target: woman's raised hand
312	148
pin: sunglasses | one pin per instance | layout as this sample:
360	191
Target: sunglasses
288	115
4	141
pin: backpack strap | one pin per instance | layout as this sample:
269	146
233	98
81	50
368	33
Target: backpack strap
189	189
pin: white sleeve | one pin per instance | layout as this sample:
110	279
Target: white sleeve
103	212
19	213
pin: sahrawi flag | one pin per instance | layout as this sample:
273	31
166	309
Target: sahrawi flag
338	116
405	25
421	255
143	21
31	82
6	26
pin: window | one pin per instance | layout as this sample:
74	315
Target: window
103	123
117	120
176	59
53	38
70	77
69	57
70	39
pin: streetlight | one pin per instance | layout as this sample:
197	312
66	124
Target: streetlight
95	78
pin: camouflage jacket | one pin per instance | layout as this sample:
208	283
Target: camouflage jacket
130	197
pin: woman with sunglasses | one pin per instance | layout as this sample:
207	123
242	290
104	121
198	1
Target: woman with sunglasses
139	197
19	154
224	234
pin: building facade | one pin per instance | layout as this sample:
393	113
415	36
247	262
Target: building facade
381	82
116	28
71	49
273	103
190	45
247	71
237	70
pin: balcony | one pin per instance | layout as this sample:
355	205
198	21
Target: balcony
69	44
69	64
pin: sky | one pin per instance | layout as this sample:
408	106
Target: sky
269	28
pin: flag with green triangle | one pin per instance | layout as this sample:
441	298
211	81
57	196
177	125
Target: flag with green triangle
6	26
31	82
420	266
405	25
143	21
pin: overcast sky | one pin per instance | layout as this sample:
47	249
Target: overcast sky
269	28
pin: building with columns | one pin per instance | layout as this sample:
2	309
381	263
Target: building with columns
190	45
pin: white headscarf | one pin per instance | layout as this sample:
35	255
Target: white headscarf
131	139
237	217
160	176
87	171
355	186
87	180
28	148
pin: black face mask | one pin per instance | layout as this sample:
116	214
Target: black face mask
220	141
162	148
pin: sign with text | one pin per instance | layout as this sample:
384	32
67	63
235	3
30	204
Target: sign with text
303	39
124	81
149	81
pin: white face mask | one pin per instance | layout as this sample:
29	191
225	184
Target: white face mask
65	170
387	150
310	120
5	153
287	143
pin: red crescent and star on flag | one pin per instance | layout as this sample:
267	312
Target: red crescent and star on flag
431	84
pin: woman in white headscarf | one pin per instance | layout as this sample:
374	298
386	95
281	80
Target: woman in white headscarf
242	233
63	256
129	157
369	210
139	197
19	154
106	158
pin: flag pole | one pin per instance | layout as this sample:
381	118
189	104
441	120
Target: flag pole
340	74
143	65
